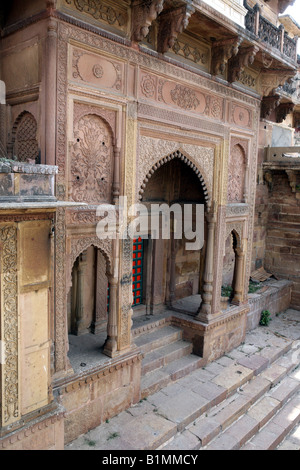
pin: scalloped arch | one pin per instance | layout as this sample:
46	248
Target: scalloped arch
177	154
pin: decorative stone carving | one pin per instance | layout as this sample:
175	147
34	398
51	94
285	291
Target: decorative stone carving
283	110
153	152
179	155
24	146
97	70
91	165
197	54
184	97
100	11
9	407
172	23
60	292
143	14
240	116
222	51
236	175
269	104
236	65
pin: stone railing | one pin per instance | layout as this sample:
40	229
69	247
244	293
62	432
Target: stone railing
270	34
283	154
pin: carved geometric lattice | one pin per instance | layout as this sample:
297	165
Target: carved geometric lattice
236	175
26	145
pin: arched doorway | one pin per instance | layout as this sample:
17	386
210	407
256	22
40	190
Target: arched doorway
88	307
172	275
233	266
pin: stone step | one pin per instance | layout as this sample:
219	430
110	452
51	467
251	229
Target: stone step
158	338
164	355
274	432
248	403
155	380
258	417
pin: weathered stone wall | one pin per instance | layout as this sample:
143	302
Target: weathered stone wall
275	298
283	233
90	400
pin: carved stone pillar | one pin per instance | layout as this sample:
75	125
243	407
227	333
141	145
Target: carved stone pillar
172	271
239	278
79	308
206	306
100	313
50	93
116	178
111	345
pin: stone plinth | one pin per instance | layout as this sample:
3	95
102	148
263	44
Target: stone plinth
22	182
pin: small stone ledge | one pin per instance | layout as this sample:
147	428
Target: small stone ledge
11	166
275	297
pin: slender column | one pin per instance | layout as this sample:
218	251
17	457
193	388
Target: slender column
111	345
206	307
239	278
50	93
116	179
100	309
172	271
79	312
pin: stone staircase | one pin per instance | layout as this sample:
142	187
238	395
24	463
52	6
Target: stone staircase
249	399
166	356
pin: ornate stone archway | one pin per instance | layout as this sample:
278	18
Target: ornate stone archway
178	154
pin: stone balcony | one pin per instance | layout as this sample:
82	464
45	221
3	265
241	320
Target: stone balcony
273	37
285	159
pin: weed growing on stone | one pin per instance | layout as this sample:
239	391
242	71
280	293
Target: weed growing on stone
265	318
113	435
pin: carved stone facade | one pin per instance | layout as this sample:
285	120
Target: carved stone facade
135	99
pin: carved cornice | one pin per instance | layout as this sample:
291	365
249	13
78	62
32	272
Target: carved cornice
269	104
172	23
222	51
237	64
143	14
283	110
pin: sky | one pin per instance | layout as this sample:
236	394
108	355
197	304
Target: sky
294	11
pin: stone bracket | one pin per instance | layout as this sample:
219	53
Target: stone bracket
293	180
237	64
143	14
269	104
283	110
222	51
171	24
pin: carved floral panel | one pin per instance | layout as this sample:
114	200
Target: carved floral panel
236	175
91	161
170	93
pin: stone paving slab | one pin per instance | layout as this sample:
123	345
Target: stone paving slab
255	362
233	377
